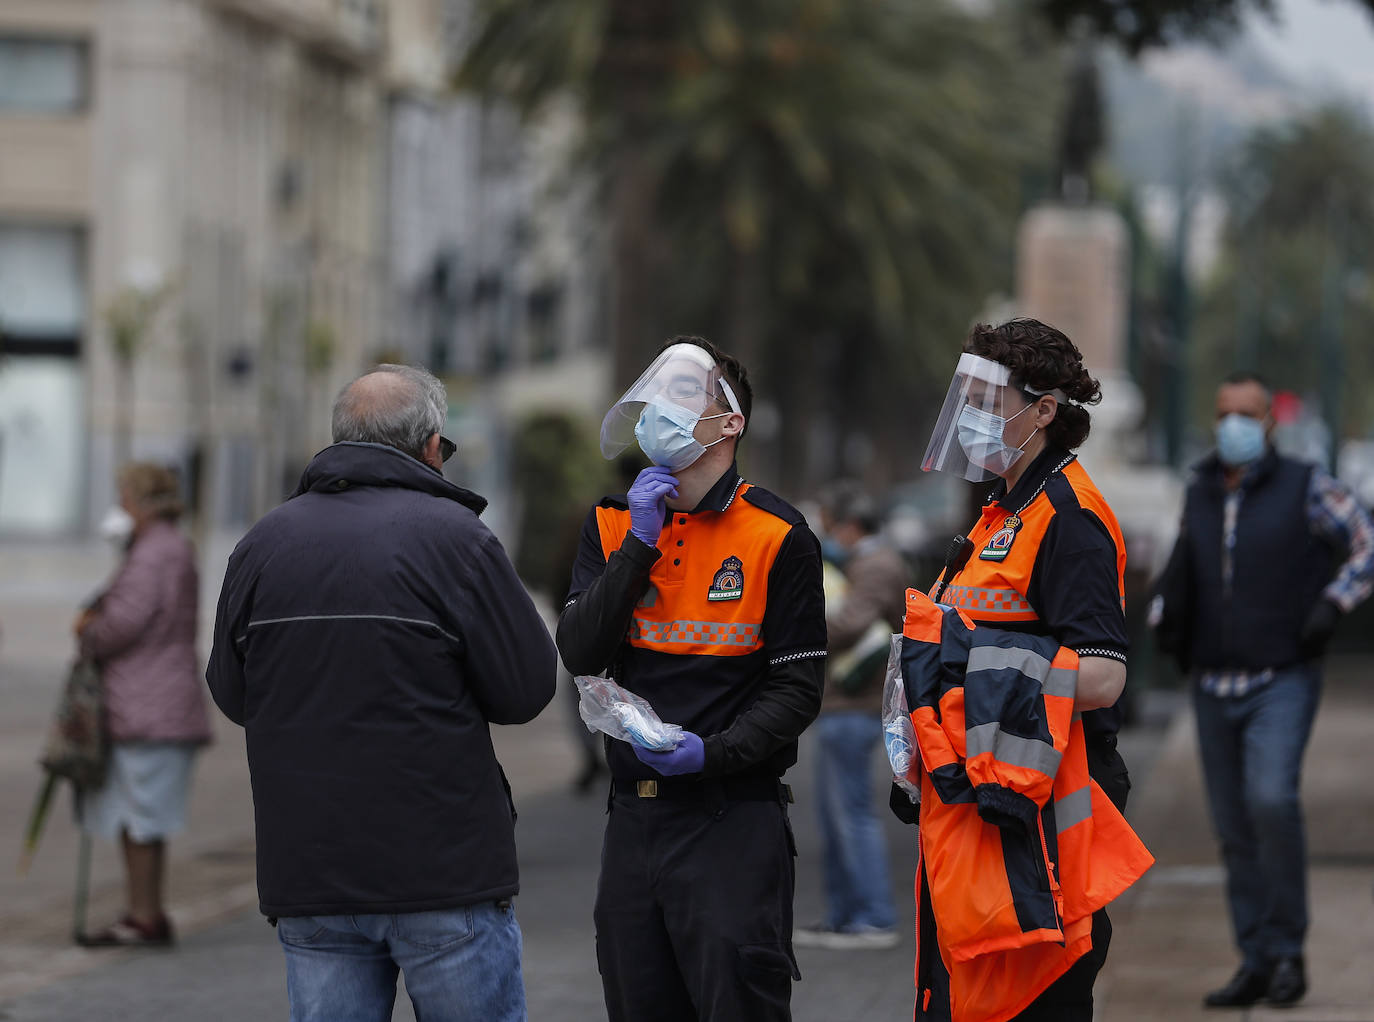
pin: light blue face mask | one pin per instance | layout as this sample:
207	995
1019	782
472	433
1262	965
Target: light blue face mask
980	435
665	434
1240	439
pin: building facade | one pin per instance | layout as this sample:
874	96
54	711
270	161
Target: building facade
213	213
216	164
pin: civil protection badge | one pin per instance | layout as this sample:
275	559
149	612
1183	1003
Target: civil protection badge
729	581
1000	544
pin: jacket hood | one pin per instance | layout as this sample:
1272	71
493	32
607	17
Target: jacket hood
347	464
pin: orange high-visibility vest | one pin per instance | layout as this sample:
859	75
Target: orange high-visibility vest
991	588
712	603
1019	845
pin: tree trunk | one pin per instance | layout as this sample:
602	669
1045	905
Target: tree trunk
124	412
636	257
746	337
799	409
745	328
200	390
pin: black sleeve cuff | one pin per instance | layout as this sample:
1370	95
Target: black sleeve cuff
1003	807
640	553
1103	651
902	807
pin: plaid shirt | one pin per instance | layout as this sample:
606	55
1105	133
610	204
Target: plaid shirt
1336	516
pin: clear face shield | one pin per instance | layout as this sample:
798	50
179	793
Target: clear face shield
682	386
968	438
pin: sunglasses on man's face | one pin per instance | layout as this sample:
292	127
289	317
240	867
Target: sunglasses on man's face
446	448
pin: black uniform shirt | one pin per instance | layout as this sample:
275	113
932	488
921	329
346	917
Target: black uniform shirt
748	709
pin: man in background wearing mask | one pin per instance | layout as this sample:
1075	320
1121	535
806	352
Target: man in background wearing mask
1271	554
702	594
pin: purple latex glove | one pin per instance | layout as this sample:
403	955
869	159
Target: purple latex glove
687	757
646	500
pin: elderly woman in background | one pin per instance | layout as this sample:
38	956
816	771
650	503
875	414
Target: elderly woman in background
141	631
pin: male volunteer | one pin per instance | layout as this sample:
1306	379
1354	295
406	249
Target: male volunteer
369	630
702	594
1272	552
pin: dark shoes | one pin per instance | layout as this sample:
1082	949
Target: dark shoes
1246	987
1284	984
1288	981
129	932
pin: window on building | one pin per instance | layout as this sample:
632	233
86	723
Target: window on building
42	424
42	289
41	75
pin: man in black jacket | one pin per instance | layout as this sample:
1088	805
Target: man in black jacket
369	631
703	595
1272	553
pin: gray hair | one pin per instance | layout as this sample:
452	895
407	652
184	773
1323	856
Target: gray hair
401	409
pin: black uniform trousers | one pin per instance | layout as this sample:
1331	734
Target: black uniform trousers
694	903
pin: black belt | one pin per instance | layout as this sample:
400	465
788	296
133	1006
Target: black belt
729	789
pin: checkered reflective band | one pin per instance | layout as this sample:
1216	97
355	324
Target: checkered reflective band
983	603
695	633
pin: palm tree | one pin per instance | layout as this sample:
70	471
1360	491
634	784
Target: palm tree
857	163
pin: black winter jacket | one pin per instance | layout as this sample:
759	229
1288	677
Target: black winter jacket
368	632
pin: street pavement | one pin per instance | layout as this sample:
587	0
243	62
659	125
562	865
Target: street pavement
1171	944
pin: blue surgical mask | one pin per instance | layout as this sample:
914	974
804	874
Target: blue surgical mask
980	435
665	434
1240	439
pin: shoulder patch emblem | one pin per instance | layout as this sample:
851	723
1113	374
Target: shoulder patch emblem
729	581
999	545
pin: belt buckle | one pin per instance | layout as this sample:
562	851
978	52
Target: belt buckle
646	789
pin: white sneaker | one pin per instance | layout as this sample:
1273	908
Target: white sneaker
855	938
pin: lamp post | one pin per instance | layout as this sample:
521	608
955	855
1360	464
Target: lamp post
1331	327
1180	299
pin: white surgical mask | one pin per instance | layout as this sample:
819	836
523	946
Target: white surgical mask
116	526
1240	439
980	435
665	432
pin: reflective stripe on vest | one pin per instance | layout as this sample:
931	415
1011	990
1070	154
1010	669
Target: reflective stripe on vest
1073	808
1011	750
989	604
693	633
1058	680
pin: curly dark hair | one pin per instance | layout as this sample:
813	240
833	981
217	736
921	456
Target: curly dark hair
1041	358
730	367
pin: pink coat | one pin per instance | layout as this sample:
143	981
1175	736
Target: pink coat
143	636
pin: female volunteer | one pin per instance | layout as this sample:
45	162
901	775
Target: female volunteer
1047	557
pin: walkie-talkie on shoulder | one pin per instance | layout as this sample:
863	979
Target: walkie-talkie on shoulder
960	550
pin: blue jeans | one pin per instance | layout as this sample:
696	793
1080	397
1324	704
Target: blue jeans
1252	748
858	892
459	964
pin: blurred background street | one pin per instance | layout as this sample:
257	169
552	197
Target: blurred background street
215	213
1172	940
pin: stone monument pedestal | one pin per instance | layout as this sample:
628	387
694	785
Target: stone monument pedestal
1073	272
